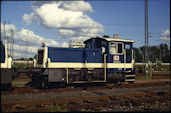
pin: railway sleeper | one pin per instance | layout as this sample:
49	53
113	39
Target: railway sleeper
96	102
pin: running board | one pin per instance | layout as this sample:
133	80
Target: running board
129	78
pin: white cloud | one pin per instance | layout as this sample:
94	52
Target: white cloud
66	32
77	5
69	17
81	38
29	18
18	54
8	28
165	35
33	38
31	49
34	41
64	44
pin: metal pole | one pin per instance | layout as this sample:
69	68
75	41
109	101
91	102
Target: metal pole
4	32
12	42
8	45
105	66
145	39
9	42
26	45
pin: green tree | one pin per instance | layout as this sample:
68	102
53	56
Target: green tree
30	59
142	51
154	53
35	56
138	55
165	53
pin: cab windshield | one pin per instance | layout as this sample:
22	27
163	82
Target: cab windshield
2	59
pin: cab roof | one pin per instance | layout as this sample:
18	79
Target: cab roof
111	39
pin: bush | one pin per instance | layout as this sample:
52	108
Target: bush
17	65
162	68
139	68
56	108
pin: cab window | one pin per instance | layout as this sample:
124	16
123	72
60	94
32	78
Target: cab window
40	56
113	48
119	48
116	48
128	50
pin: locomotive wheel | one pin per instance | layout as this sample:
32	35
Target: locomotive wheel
89	78
130	82
44	84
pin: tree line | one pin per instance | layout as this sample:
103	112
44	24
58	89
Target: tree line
156	52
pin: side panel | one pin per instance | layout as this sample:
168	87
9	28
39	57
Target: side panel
75	55
56	75
84	75
74	75
6	76
65	54
94	56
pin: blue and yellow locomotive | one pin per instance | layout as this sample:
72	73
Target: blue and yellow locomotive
6	71
103	59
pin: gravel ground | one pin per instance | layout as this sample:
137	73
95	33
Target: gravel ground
144	107
77	94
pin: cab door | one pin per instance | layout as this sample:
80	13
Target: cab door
128	52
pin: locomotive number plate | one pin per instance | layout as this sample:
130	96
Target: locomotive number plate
116	57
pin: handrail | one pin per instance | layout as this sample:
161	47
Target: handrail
105	66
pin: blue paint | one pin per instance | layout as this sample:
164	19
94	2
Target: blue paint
114	70
118	69
128	69
91	54
2	59
99	42
78	55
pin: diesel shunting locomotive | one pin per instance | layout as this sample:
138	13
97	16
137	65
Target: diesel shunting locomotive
6	71
103	59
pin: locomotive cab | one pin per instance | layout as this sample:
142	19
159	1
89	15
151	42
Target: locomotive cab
6	71
119	57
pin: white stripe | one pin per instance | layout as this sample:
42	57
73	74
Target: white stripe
129	75
4	65
130	80
88	65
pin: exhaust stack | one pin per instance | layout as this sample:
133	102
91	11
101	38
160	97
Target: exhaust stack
116	36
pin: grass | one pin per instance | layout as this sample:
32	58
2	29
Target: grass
19	82
56	108
147	77
21	65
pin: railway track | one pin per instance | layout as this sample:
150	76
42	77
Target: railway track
95	102
77	104
25	90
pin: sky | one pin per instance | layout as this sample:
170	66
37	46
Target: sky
55	23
